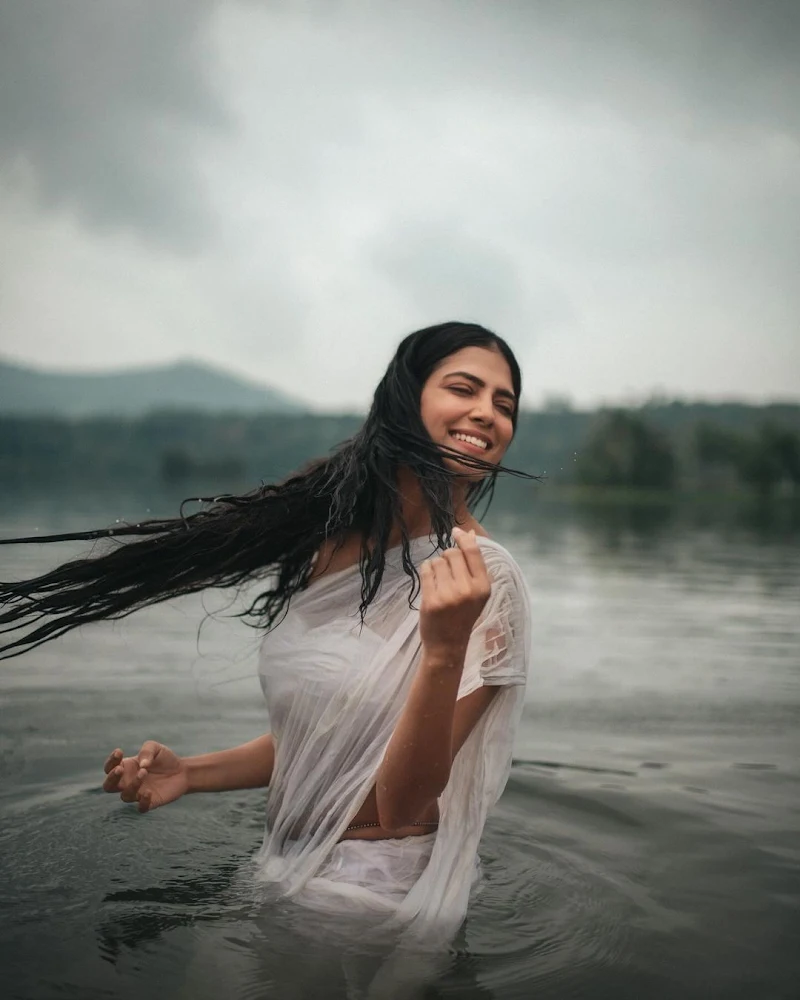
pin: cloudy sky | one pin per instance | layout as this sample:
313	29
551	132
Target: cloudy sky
286	188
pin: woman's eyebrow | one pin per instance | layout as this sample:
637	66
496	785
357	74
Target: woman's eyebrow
481	384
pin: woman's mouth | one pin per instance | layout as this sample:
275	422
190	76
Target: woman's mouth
477	443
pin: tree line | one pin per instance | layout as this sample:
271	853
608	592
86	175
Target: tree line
659	446
624	450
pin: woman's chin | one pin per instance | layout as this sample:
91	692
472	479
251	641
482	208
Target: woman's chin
463	470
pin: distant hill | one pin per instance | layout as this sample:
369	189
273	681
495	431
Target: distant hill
134	392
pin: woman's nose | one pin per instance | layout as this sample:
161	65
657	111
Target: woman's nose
483	411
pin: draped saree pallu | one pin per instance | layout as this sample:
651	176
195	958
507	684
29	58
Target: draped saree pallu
335	691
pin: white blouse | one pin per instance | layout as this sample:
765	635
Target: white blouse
335	691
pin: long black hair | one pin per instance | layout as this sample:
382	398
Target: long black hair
275	530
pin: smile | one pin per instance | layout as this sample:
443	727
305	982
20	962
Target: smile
471	439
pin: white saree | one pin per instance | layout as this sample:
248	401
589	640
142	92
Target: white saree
334	692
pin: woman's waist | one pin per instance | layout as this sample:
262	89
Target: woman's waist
366	824
293	823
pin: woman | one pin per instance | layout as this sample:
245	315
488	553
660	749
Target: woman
392	724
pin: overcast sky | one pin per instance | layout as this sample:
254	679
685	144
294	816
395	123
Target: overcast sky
287	188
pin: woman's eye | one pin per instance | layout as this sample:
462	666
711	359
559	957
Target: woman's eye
466	390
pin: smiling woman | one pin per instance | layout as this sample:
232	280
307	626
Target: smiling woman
392	724
469	399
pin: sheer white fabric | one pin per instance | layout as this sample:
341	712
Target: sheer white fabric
334	692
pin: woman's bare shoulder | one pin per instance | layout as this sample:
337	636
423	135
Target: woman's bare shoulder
334	556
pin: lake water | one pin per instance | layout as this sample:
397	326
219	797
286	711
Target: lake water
647	845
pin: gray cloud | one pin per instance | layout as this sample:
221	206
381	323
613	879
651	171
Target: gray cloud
100	103
721	65
613	185
106	103
444	271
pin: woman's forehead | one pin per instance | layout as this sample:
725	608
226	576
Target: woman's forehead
486	362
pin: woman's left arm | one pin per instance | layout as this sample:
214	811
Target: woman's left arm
434	723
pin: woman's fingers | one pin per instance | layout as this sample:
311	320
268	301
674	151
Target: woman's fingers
443	576
427	580
148	753
436	579
458	572
112	760
468	547
113	778
473	559
466	562
126	776
132	787
451	559
119	776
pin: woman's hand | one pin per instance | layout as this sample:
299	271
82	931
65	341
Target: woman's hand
455	589
153	778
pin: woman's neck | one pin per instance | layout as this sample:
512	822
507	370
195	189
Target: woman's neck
417	520
415	511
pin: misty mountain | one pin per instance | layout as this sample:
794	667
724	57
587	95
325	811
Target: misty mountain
185	385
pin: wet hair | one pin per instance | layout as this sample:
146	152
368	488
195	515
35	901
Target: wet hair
274	531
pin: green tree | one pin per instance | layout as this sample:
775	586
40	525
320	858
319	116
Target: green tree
715	445
176	465
771	458
625	451
763	459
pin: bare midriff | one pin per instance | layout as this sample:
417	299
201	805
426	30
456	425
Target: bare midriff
368	813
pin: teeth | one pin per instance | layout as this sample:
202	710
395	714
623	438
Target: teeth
478	442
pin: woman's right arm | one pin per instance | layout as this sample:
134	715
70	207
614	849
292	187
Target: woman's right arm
157	776
246	766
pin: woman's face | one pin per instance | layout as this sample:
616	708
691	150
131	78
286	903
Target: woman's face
467	404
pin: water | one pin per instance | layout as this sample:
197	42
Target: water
647	844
